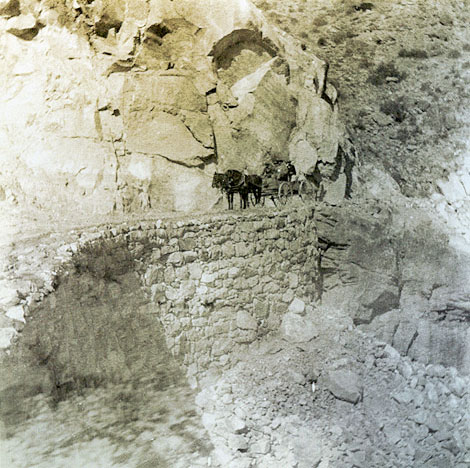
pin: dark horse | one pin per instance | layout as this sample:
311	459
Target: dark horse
232	182
255	186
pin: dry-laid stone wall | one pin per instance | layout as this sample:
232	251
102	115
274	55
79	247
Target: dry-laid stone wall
124	301
222	284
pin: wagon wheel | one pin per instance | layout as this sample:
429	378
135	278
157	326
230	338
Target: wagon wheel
285	191
307	191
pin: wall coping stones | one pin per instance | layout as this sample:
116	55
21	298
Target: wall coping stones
51	260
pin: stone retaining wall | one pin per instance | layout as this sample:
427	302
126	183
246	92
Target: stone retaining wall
221	284
205	287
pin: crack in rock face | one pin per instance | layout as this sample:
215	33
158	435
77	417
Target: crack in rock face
329	328
130	88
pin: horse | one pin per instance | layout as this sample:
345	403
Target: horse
255	186
232	182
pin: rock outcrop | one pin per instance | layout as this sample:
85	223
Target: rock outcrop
112	106
397	272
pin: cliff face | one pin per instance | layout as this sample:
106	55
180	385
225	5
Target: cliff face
396	258
402	69
133	105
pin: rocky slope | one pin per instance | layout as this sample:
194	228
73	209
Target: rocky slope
390	356
402	69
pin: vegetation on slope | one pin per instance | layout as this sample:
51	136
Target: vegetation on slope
403	72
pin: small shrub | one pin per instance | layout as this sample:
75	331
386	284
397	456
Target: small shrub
395	108
319	21
454	54
403	135
436	50
446	19
465	65
359	48
466	47
322	42
413	53
364	6
379	76
426	87
365	63
339	37
360	120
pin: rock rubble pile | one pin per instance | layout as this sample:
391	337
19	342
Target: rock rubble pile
301	384
388	411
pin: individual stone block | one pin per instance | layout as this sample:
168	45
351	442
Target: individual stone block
195	271
245	336
8	296
9	8
16	313
237	442
262	446
23	26
208	278
6	335
297	306
345	385
297	329
236	425
245	321
176	258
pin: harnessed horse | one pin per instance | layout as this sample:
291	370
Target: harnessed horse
255	186
232	182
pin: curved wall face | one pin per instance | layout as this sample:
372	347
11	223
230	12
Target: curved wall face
221	285
151	301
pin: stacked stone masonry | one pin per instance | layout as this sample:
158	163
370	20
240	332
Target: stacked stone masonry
213	285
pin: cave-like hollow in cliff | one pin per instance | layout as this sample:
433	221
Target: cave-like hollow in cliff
230	46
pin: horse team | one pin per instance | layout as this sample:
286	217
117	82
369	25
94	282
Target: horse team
233	181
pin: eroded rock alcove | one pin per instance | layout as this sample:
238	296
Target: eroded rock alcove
141	101
332	332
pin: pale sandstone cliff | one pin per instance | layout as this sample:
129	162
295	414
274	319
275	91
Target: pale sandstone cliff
126	106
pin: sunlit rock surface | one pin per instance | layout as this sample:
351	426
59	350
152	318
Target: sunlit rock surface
111	106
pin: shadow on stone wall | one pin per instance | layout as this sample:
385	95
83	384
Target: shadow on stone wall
158	300
404	283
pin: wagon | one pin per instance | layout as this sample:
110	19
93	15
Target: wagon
281	191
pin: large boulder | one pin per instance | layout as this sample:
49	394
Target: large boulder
296	328
111	108
345	385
